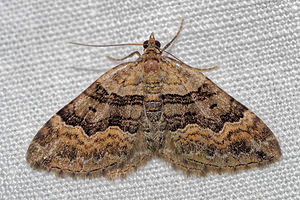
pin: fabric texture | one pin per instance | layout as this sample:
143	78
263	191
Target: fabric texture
255	43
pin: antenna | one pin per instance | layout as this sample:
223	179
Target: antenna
104	45
176	36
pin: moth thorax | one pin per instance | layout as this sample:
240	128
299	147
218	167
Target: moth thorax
151	66
152	89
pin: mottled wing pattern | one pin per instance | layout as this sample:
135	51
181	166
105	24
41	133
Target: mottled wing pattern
99	133
208	130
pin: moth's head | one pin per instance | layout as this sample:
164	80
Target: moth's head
151	43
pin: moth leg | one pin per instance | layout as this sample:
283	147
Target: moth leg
208	69
120	59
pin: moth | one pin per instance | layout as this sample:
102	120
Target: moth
154	106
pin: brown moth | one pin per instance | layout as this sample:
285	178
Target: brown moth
155	106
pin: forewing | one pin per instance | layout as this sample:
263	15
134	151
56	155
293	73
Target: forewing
208	130
99	133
